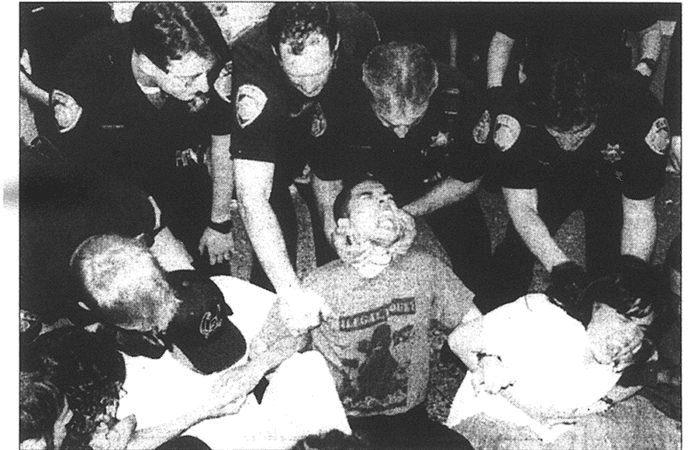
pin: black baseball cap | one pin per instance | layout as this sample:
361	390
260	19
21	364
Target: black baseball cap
201	328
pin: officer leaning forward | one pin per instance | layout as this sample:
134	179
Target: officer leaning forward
577	147
411	125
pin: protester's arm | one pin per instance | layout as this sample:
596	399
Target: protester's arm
220	245
522	205
498	58
639	230
228	392
466	342
445	193
326	192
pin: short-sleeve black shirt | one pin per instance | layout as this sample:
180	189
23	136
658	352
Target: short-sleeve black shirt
441	145
627	150
285	111
120	131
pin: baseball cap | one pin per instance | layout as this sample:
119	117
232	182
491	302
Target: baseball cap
201	328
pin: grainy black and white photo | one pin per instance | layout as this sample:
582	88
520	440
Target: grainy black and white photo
369	225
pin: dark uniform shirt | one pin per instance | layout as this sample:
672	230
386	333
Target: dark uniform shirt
269	108
627	148
442	144
595	30
122	133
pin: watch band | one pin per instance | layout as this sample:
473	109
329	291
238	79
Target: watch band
222	227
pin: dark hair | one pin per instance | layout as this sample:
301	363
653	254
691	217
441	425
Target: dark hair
88	368
40	404
632	297
402	72
340	208
166	31
333	439
566	89
292	23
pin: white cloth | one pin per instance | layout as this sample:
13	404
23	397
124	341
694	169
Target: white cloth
300	400
545	350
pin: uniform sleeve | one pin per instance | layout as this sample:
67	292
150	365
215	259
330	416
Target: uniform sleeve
648	137
514	168
219	116
452	299
462	108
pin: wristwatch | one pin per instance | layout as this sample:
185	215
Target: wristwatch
222	227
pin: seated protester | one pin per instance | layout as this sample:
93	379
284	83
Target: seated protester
175	326
377	347
581	145
43	412
542	371
62	205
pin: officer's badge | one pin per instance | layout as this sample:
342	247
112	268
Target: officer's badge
249	103
319	123
440	140
506	132
224	83
659	136
482	129
612	153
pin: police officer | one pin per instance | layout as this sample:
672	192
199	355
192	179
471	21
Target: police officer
148	112
579	148
526	34
282	71
412	125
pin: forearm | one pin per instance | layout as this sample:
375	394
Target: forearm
221	177
537	237
498	58
267	240
325	194
32	91
651	42
446	193
639	230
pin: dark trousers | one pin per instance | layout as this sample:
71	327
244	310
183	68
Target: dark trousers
413	429
462	231
513	262
282	204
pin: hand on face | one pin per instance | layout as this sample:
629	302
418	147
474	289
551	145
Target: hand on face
614	339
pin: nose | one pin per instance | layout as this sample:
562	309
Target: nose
401	131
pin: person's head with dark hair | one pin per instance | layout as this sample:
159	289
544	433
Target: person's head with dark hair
333	439
401	77
179	47
89	370
566	88
43	412
624	309
305	38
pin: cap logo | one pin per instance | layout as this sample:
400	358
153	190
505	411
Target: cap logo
210	322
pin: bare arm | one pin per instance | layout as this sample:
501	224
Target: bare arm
639	230
219	245
650	46
498	58
325	194
522	205
227	394
253	181
445	193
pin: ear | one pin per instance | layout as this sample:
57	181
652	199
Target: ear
436	81
343	223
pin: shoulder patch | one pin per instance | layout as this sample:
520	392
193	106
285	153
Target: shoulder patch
659	136
482	129
506	131
224	83
249	104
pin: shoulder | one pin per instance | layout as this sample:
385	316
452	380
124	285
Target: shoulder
640	117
